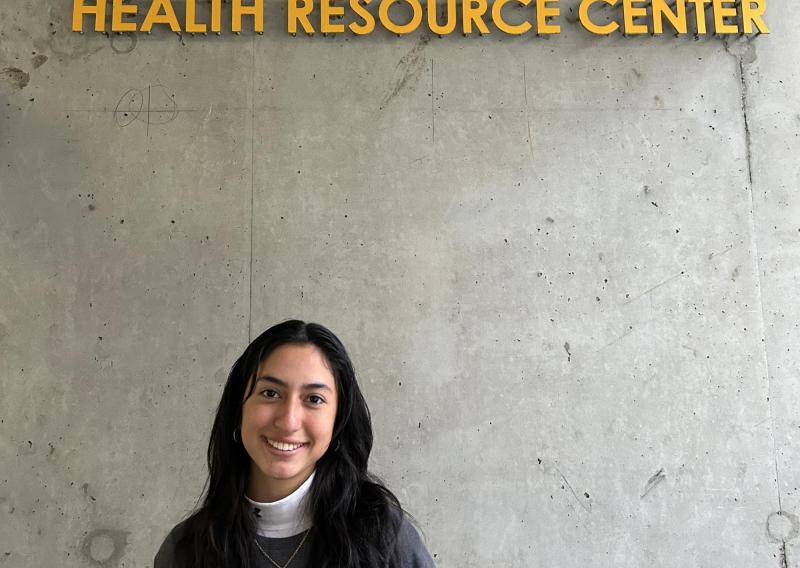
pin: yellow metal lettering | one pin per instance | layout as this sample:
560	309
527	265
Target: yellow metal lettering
589	25
502	25
752	12
369	20
296	14
676	19
543	11
154	16
472	11
433	22
721	11
416	18
79	9
326	10
700	14
630	12
117	11
256	10
191	16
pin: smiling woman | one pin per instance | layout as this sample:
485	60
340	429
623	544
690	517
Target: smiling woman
288	479
287	421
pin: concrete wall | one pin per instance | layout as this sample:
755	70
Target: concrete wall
566	268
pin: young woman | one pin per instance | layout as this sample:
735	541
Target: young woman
288	482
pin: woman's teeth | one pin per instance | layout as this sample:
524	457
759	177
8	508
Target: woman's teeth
282	446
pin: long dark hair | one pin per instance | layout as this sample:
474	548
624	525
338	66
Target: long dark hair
356	518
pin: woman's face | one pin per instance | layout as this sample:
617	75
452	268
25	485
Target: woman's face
287	422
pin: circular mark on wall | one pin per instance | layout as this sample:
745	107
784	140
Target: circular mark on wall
782	526
101	548
129	107
153	105
104	547
123	43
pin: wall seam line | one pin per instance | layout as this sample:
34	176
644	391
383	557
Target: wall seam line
252	182
757	260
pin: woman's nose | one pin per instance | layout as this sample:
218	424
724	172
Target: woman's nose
288	418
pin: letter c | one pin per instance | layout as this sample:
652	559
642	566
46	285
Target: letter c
589	25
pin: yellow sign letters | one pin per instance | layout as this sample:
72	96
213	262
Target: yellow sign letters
600	17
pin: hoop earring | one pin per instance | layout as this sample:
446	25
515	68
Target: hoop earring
236	438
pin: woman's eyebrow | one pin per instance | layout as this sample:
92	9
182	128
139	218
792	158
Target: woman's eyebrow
282	383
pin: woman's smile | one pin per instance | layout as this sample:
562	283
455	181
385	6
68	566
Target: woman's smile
283	447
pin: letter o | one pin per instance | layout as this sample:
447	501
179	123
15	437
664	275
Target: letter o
416	18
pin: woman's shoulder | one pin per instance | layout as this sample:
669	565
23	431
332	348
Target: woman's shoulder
165	557
410	549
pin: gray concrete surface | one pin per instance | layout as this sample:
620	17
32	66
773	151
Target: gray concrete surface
566	268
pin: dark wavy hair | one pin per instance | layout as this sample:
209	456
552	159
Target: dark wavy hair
356	518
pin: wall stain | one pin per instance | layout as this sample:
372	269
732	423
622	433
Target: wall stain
85	489
782	526
654	480
408	70
6	506
66	45
745	51
569	354
105	547
17	77
39	60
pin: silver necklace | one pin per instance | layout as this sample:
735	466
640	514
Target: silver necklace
296	550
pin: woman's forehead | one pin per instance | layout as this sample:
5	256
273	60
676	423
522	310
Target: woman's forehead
291	363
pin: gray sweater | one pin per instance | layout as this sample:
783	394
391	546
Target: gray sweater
410	550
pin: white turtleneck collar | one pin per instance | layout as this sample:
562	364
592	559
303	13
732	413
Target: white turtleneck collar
286	517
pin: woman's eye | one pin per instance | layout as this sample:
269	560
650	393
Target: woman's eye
269	393
316	399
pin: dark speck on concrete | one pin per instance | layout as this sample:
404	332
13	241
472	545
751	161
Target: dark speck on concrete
92	207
